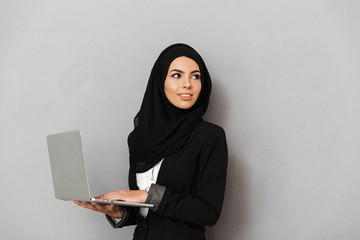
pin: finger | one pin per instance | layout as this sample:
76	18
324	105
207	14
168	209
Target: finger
100	206
96	205
88	205
104	208
100	196
85	204
112	195
80	203
118	195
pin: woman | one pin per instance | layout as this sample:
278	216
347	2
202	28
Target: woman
178	161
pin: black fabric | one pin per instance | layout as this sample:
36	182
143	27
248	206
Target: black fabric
122	221
155	195
195	181
160	128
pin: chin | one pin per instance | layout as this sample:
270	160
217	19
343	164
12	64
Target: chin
185	106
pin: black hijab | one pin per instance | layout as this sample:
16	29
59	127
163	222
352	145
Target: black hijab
160	128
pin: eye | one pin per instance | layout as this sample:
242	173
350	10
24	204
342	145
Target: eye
196	76
176	75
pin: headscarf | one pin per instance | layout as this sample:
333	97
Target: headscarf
160	128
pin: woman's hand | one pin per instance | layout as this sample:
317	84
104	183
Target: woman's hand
138	196
112	210
109	209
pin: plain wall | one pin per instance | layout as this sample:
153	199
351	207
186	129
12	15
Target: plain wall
286	89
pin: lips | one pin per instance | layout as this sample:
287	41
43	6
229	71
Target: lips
185	96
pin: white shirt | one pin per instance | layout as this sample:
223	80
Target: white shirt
145	179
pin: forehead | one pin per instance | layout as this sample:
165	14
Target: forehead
184	63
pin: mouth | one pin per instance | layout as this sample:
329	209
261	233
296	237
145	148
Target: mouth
185	97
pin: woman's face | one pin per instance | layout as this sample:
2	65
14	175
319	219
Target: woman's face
182	84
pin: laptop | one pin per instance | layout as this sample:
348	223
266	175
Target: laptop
68	170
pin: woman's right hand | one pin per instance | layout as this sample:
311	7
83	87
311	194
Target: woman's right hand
109	209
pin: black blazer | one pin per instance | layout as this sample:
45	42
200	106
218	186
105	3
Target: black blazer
195	185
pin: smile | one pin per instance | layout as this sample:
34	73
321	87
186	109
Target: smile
185	97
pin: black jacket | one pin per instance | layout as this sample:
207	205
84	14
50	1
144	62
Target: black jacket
195	185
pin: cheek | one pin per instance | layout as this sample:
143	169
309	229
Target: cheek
170	89
197	87
171	86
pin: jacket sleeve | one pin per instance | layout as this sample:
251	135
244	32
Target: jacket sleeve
204	208
126	220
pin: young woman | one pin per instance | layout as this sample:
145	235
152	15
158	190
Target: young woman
178	161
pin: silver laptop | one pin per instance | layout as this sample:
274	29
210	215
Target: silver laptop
69	170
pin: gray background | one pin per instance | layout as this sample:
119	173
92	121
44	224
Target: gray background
286	90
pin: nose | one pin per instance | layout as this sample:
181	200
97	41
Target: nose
187	83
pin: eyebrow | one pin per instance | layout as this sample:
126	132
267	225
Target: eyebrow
177	70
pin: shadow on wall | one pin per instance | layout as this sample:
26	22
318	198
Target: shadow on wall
233	219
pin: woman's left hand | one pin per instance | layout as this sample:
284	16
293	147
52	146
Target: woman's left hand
138	196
